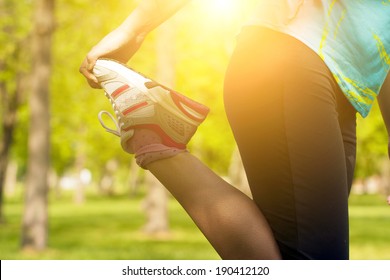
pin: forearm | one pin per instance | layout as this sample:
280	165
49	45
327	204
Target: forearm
384	103
123	42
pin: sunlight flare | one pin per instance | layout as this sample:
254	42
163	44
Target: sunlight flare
221	8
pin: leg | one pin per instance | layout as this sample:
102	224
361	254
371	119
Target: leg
229	219
347	121
291	142
155	123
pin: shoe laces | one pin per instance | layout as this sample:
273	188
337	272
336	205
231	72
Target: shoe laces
118	124
110	130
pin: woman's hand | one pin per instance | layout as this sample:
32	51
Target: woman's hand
118	45
122	43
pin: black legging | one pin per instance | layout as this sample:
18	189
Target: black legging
296	133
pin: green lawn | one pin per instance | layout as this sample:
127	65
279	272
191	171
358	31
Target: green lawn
369	228
106	228
109	228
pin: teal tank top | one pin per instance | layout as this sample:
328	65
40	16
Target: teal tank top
351	36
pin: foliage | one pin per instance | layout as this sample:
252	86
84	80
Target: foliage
14	31
371	144
75	106
205	37
76	131
14	59
204	41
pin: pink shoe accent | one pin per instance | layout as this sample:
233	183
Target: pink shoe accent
154	152
148	146
119	91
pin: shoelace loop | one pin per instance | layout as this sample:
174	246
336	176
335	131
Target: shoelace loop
115	132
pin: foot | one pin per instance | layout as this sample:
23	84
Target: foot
141	103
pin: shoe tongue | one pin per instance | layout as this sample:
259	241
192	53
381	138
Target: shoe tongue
151	84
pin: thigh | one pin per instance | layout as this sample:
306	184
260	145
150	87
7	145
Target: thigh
282	104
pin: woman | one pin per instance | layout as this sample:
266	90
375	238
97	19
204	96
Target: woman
300	72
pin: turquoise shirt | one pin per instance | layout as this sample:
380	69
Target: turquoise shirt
351	36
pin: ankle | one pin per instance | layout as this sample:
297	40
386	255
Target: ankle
143	137
148	146
154	152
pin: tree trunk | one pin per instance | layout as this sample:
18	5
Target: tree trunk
156	201
107	182
79	192
9	108
35	219
11	178
386	177
155	207
135	178
9	104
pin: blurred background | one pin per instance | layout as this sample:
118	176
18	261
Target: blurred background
68	191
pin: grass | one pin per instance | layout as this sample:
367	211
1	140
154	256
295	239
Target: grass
109	229
105	229
369	228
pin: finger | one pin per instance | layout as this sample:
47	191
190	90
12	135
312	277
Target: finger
93	84
91	65
91	79
90	62
88	74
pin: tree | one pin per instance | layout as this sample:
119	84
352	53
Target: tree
156	201
12	40
35	220
10	102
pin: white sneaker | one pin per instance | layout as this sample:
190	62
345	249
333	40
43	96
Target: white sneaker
140	102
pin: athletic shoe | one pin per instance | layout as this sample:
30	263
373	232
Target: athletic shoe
140	102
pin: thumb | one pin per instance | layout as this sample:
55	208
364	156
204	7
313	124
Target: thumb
91	61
